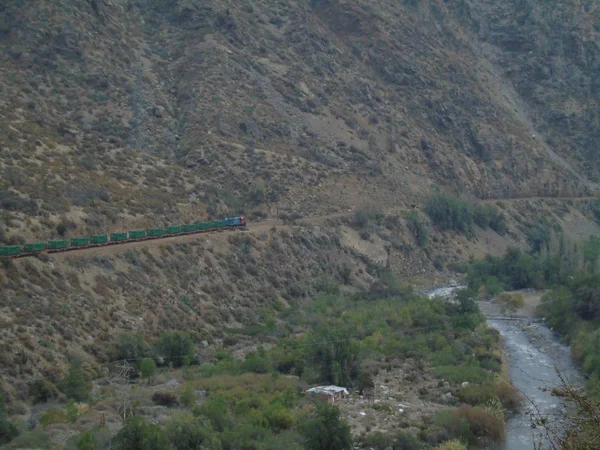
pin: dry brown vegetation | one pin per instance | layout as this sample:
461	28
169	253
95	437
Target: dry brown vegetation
107	118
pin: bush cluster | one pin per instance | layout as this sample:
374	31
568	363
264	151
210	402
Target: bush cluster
449	212
234	417
477	426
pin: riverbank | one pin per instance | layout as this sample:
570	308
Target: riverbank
536	361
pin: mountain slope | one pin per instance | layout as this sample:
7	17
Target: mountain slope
126	113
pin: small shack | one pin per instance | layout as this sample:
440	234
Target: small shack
330	394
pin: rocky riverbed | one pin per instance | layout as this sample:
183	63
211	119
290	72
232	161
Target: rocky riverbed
536	361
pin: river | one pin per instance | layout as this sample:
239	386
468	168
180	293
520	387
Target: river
534	354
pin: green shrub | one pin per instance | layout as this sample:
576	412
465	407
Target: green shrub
147	368
7	430
288	440
138	434
278	418
188	396
190	432
378	441
30	439
596	210
454	444
215	409
128	346
176	347
465	372
41	390
417	227
539	238
490	216
407	441
85	441
449	212
473	425
326	430
165	399
94	439
52	416
498	221
75	385
505	393
459	266
364	216
256	362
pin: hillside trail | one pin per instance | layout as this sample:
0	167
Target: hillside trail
545	199
266	225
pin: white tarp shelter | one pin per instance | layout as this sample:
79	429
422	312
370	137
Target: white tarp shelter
329	393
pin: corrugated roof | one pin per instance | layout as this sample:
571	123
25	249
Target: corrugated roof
327	390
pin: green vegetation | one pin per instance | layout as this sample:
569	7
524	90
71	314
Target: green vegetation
344	339
417	227
326	430
75	385
41	391
176	347
454	444
188	397
7	430
449	212
365	216
571	306
476	426
147	368
128	346
138	434
192	432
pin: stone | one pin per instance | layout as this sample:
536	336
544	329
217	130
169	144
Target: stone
159	111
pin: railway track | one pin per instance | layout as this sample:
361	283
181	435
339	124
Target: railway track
118	247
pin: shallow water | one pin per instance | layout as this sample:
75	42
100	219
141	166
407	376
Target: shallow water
534	355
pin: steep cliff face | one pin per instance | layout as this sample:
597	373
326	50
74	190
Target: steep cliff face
152	109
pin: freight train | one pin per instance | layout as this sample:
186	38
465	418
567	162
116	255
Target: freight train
100	240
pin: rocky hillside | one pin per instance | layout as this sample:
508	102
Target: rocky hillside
123	112
116	114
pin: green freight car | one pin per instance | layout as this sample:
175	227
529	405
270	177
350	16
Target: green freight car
173	229
138	234
99	239
36	247
155	232
80	241
10	250
58	244
189	228
117	237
